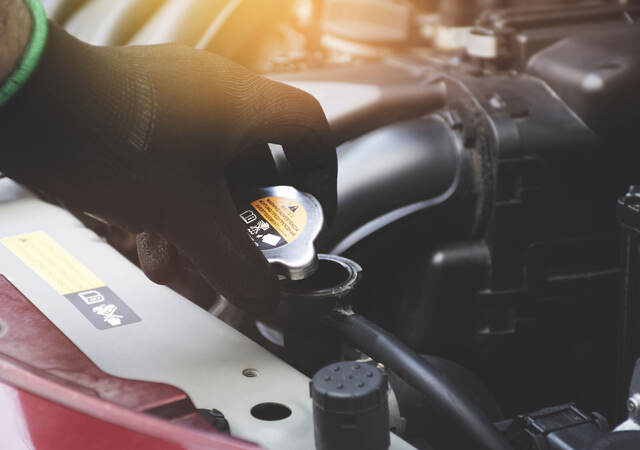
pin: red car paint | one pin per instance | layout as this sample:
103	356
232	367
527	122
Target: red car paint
52	397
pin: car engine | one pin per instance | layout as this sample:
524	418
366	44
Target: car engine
483	264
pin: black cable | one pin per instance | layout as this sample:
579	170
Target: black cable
466	418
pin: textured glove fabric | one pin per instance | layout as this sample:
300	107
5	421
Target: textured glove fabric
153	138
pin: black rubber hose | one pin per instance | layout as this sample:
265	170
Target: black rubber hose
465	417
395	103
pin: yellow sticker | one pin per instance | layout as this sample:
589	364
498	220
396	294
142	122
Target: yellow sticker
52	263
286	216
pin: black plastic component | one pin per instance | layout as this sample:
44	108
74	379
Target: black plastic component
534	25
508	164
308	345
601	85
562	427
464	420
216	419
621	440
330	286
552	240
350	407
629	338
455	272
549	13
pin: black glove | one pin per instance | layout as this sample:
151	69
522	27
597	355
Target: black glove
150	138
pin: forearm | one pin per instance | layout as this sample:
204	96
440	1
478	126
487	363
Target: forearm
15	31
146	137
23	30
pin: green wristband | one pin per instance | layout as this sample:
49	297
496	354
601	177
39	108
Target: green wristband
31	55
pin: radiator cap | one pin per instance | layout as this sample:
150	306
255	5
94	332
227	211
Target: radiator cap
283	223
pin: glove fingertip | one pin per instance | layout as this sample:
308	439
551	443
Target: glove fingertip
157	258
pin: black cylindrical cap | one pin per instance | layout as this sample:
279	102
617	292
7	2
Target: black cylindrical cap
350	407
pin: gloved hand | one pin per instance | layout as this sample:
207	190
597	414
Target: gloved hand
150	138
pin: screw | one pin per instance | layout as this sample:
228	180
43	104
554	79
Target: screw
633	404
633	195
250	373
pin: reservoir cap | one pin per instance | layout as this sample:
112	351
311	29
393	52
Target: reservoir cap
283	223
350	407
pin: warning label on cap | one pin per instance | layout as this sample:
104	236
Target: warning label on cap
274	221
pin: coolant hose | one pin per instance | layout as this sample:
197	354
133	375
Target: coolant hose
466	418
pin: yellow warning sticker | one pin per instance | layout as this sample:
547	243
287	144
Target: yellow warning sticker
52	263
286	216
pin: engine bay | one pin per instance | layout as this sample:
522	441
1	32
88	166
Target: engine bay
483	257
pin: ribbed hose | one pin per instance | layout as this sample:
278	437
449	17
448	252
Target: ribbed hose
465	418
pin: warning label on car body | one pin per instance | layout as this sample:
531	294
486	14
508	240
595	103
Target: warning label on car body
274	221
71	279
